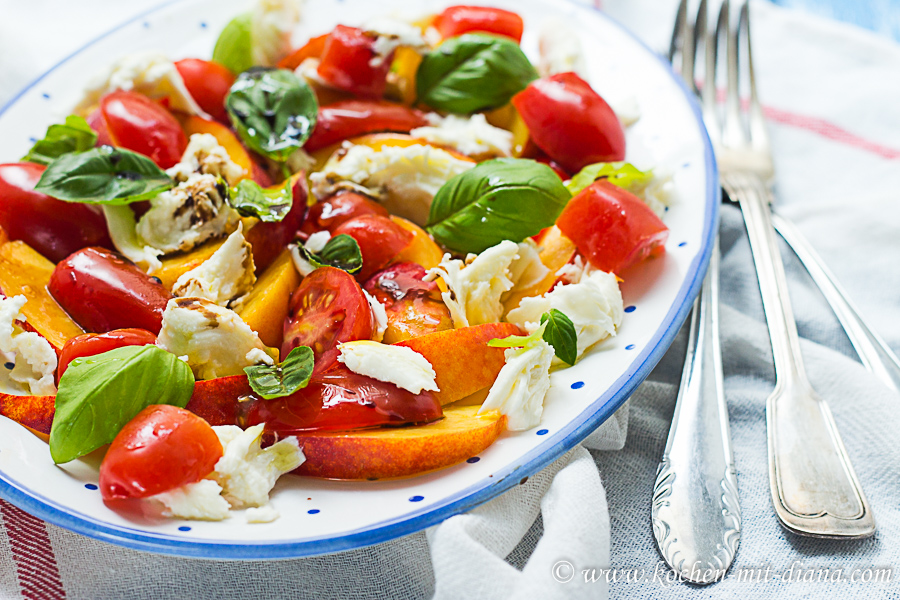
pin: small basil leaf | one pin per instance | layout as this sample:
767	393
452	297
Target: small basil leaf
277	381
500	199
273	111
625	175
234	48
341	251
74	136
270	206
103	175
473	72
98	395
559	332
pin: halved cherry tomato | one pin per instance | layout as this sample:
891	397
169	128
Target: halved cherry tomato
400	281
341	399
209	84
102	291
330	213
457	20
380	241
327	309
269	239
90	344
571	122
347	62
311	49
133	121
413	306
612	227
164	447
54	228
350	118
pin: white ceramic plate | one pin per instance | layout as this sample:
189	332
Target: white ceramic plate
319	517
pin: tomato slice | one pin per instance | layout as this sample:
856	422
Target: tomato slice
380	241
570	122
133	121
102	291
162	448
340	399
350	118
90	344
413	306
347	62
457	20
311	49
269	239
52	227
612	227
330	213
328	308
209	84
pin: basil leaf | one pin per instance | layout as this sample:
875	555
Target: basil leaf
103	175
75	136
270	206
559	332
625	175
277	381
98	395
341	251
273	111
473	72
234	48
500	199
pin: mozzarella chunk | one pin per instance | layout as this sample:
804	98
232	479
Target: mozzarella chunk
34	357
594	305
658	193
201	501
315	243
215	340
575	271
527	270
520	387
261	514
271	25
225	276
379	315
247	472
402	366
205	155
475	288
391	34
560	49
470	135
149	73
188	215
404	179
121	224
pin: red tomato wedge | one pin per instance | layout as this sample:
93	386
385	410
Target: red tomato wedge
269	239
571	122
350	118
330	213
457	20
162	448
327	309
380	241
347	62
90	344
209	84
52	227
311	49
612	227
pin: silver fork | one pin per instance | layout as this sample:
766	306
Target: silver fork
814	487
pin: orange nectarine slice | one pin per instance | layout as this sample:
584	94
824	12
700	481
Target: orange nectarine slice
422	249
556	251
34	412
266	306
236	151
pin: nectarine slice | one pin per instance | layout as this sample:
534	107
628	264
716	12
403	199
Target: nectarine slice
556	251
422	249
266	306
238	154
34	412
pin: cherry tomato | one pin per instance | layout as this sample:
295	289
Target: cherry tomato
269	239
89	344
327	309
570	122
103	291
340	399
343	120
164	447
135	122
52	227
347	62
311	49
457	20
208	82
380	241
413	306
611	227
400	281
335	210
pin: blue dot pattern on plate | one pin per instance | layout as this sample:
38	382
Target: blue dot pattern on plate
629	347
46	96
416	498
146	25
9	365
203	24
682	244
313	511
90	486
472	460
630	309
543	431
577	385
184	528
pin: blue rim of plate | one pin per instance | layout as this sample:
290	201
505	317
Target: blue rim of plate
532	462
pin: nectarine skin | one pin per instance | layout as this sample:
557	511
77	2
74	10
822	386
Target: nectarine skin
35	412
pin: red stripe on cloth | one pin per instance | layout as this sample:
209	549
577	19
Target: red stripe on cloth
35	563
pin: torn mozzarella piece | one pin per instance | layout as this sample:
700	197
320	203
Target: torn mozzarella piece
594	305
214	339
272	23
390	35
520	387
200	501
34	357
472	135
121	224
404	179
575	271
475	287
379	316
402	366
527	270
315	243
560	49
205	155
261	514
658	193
225	276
